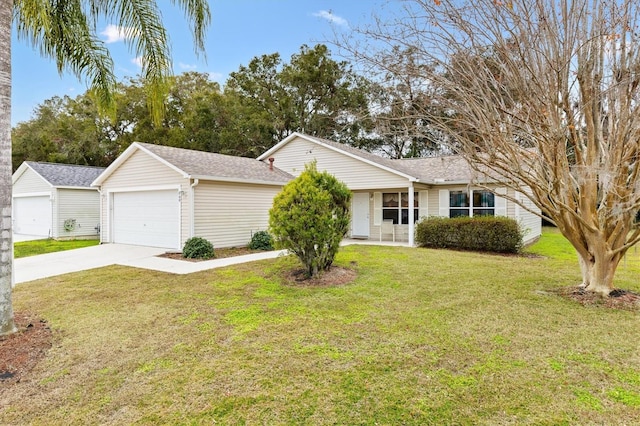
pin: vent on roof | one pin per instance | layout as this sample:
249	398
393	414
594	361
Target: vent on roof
271	160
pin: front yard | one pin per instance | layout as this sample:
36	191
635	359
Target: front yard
420	337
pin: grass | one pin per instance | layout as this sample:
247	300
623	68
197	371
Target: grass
32	248
421	337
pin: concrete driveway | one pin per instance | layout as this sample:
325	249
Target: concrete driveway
63	262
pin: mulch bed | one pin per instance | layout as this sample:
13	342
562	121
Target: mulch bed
618	298
335	276
220	254
21	351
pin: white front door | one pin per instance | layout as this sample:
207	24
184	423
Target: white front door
360	215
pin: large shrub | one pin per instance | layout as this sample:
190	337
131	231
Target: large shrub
198	248
261	240
310	216
487	233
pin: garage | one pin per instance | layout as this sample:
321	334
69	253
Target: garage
147	218
32	216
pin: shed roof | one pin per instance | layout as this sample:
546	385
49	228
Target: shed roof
63	175
204	165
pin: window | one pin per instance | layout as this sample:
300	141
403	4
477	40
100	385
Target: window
395	206
484	203
458	203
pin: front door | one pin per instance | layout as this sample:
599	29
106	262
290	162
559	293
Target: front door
360	215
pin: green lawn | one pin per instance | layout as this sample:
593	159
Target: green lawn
31	248
421	337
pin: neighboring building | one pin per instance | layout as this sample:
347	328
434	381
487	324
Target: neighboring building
383	189
161	196
56	200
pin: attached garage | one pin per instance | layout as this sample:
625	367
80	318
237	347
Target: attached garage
147	218
32	216
53	200
161	196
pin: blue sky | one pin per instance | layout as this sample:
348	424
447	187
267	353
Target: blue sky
240	30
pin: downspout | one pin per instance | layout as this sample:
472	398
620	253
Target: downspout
101	214
412	225
192	207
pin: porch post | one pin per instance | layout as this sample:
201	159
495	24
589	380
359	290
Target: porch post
411	219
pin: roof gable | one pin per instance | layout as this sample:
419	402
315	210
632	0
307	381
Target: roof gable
204	165
430	170
61	175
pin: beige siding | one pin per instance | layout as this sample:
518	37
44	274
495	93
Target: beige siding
81	205
140	172
30	182
228	213
356	174
530	222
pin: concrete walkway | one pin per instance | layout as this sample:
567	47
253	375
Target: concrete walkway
82	259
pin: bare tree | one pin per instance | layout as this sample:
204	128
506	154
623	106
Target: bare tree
542	95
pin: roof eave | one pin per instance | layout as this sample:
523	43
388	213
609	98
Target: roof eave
236	180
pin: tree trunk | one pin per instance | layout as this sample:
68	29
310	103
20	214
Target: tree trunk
598	271
6	238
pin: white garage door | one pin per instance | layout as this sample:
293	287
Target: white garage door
147	218
32	216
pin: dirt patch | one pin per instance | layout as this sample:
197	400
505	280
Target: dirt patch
220	254
21	351
618	299
335	276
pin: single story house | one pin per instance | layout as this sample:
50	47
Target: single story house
161	196
56	200
383	189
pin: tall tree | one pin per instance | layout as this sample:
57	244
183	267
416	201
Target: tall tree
544	97
65	30
312	93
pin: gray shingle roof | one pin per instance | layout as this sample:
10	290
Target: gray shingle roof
66	174
210	165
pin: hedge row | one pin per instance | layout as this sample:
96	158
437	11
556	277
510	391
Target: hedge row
487	233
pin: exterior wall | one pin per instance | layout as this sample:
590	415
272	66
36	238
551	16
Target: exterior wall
30	182
83	205
143	172
530	222
227	214
356	174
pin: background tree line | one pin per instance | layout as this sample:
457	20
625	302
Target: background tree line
260	104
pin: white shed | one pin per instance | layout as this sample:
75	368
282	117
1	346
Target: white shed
56	200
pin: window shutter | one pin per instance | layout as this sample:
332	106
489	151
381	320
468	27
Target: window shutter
443	208
423	204
377	208
501	203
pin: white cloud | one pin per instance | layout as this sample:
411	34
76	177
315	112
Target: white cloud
115	33
334	19
187	66
216	76
137	61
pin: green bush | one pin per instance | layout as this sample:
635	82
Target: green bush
487	233
198	248
310	216
261	240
